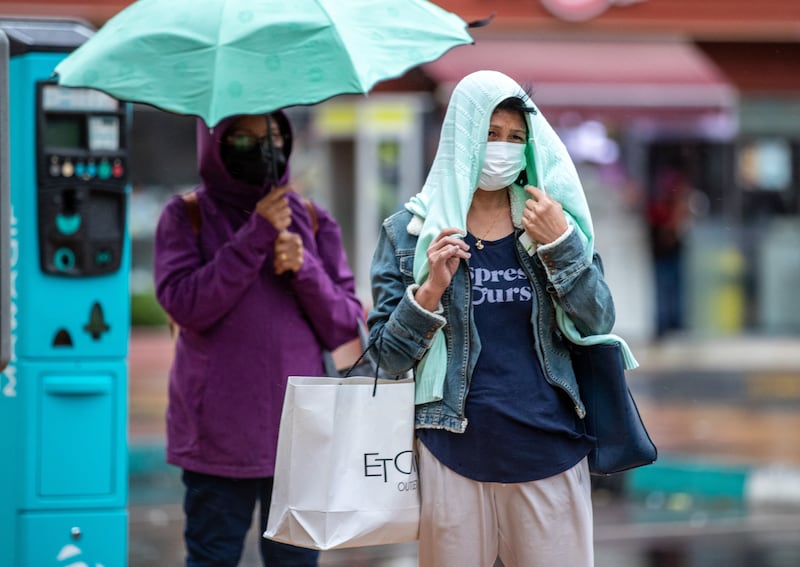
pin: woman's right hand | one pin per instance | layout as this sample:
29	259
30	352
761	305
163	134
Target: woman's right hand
444	254
274	206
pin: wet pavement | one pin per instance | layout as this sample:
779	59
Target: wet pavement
725	490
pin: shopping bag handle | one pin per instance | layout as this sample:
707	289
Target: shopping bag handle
364	352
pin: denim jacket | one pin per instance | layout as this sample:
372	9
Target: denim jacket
403	331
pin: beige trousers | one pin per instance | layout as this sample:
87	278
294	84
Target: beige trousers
465	523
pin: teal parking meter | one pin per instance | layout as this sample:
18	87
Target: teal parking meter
63	393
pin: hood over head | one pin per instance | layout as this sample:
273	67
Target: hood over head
217	181
446	196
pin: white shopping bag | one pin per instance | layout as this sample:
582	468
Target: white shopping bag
346	471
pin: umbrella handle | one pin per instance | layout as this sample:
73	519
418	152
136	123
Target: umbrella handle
274	168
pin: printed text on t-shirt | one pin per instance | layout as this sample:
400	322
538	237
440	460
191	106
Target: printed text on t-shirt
496	286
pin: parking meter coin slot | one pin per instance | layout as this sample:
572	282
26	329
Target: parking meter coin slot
68	224
68	219
62	338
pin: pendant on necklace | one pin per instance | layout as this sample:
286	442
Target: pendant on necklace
479	244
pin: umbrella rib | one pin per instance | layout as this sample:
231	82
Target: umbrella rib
212	101
327	13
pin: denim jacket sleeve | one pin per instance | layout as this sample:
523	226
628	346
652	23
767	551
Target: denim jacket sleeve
578	285
403	329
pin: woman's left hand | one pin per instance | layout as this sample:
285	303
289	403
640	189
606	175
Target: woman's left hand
543	217
289	252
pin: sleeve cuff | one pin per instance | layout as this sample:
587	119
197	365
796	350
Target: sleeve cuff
557	241
531	246
412	289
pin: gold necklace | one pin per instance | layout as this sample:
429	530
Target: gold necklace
479	241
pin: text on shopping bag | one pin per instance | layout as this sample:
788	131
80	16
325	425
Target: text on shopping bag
389	468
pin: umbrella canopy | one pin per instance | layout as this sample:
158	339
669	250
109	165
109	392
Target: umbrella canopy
216	58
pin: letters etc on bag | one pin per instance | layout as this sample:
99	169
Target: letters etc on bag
345	473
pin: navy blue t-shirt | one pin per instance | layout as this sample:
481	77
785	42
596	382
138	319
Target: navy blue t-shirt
520	428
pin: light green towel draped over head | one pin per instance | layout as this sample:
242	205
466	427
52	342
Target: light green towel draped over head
447	193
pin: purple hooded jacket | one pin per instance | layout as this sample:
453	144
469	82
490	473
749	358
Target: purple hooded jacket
243	328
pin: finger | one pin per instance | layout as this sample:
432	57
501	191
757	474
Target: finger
293	246
463	253
280	225
277	196
450	231
280	214
279	263
451	241
453	250
536	193
283	212
278	192
449	237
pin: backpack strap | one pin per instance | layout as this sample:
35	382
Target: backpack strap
193	209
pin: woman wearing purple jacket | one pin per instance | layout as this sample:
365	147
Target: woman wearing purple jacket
259	286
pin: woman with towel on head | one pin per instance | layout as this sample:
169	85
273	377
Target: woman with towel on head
478	285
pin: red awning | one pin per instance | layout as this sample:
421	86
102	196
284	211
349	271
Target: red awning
608	74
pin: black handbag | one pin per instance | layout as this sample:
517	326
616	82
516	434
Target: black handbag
621	441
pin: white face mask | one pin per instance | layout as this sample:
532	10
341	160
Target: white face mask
502	164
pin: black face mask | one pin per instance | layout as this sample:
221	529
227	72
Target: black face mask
254	165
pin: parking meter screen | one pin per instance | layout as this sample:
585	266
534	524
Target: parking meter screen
103	133
64	132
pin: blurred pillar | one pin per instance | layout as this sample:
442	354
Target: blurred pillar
715	274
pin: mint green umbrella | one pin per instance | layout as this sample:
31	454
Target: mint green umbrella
216	58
